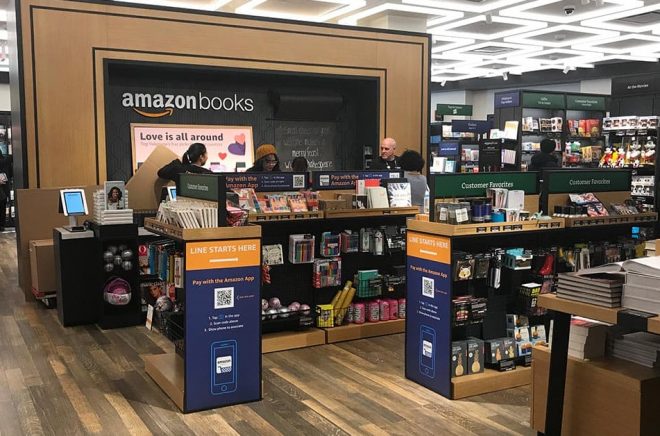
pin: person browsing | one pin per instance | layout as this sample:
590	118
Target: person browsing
387	159
192	161
544	158
265	159
412	164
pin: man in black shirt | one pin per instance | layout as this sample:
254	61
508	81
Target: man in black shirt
387	159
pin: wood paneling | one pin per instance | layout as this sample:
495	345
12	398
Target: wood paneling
60	84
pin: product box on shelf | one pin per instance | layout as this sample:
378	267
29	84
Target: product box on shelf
514	320
458	358
493	349
537	335
475	354
522	340
509	348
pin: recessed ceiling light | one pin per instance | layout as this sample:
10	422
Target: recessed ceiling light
527	10
517	26
211	6
479	6
613	21
442	15
536	36
343	7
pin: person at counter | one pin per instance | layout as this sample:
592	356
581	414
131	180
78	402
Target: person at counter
265	159
412	164
387	159
544	158
192	161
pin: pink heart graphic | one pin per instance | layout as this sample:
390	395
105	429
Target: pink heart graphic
222	156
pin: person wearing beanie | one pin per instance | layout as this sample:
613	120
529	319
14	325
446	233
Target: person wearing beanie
545	158
265	159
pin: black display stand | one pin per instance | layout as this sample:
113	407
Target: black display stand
124	236
520	104
76	260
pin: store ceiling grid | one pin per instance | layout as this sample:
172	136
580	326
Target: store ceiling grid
476	38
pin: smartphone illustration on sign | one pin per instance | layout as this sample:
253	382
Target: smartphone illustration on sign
427	351
224	364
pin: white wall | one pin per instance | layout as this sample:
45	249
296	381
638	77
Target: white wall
5	104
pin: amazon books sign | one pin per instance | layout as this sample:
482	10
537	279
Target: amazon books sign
163	105
228	147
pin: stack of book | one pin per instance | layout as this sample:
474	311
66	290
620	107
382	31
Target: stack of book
641	291
598	289
587	338
104	216
640	347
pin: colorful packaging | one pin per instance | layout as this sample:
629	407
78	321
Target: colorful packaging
373	311
394	308
402	308
384	310
359	313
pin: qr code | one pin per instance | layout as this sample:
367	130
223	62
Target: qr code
428	287
299	181
224	298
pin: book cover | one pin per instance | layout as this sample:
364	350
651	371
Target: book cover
377	197
115	195
399	194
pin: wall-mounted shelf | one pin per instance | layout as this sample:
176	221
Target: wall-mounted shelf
646	217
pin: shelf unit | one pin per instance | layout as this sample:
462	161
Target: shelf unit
603	378
522	104
221	323
351	332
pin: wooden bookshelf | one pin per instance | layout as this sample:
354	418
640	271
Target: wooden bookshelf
351	332
485	228
641	218
489	381
215	233
361	213
586	310
284	216
281	341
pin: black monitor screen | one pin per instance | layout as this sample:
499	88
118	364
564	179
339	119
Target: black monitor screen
74	204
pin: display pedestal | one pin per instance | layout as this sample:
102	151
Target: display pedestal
221	340
76	272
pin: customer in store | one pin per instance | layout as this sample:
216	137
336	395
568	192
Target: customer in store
192	161
545	158
265	159
387	159
299	165
412	164
6	171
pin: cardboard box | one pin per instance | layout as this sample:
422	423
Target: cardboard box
475	355
458	358
513	320
332	204
522	338
42	267
493	349
145	186
509	348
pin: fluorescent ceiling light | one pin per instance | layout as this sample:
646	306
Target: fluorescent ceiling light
250	8
518	26
445	15
3	15
652	45
576	56
524	10
211	6
480	50
650	57
465	6
528	38
608	21
451	43
4	35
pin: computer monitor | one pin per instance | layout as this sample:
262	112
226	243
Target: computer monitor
73	204
171	193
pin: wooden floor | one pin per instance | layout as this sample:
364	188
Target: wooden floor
84	380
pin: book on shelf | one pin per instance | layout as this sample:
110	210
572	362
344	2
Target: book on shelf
598	289
377	197
642	348
587	338
649	266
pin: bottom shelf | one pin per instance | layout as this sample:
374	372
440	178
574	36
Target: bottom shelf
167	371
282	341
489	381
351	332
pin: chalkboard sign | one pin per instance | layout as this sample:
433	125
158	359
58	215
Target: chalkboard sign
317	142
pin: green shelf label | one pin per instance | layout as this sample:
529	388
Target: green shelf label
453	109
475	185
201	186
535	100
588	181
585	102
